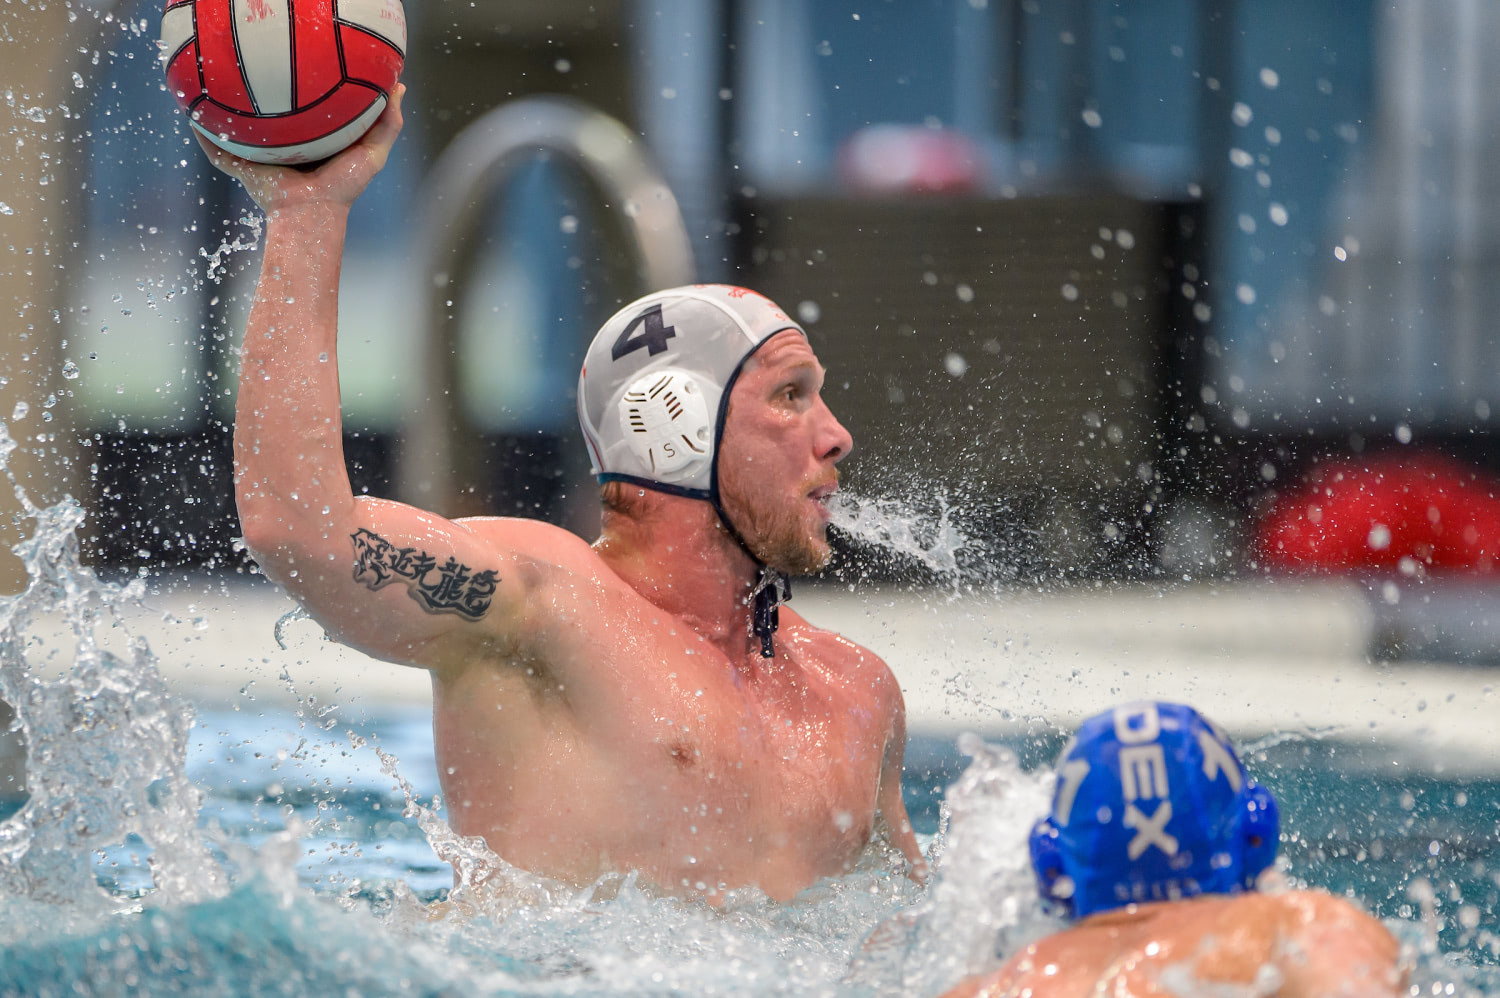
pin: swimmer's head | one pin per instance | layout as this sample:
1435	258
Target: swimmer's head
653	401
1151	804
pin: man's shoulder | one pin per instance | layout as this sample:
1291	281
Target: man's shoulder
840	656
1316	918
536	540
1315	907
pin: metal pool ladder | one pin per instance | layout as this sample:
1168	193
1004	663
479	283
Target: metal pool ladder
450	214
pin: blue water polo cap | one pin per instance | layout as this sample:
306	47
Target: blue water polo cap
1151	804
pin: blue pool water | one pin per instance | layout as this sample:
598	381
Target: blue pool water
327	911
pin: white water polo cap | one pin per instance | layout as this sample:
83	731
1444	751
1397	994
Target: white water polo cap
656	380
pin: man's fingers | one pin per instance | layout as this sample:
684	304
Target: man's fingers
340	178
368	156
224	160
218	157
383	134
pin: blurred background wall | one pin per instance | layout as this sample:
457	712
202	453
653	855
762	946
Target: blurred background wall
1100	277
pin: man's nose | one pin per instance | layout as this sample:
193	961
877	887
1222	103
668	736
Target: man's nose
834	442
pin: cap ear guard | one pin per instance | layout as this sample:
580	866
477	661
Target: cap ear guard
1259	831
1052	880
664	421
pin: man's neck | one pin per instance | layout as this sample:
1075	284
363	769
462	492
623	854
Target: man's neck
677	554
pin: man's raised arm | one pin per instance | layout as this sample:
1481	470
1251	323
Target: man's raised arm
391	580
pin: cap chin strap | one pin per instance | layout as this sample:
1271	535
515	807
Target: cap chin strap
773	587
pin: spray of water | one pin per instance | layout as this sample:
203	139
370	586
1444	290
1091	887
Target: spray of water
983	903
931	542
217	265
105	740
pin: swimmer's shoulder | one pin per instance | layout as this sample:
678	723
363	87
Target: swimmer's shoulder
1307	907
536	541
1327	940
1328	914
839	657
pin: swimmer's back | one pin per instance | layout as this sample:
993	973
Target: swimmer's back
1299	944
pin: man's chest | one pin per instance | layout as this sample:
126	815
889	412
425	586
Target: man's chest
780	737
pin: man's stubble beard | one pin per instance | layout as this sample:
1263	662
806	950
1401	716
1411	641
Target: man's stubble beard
777	536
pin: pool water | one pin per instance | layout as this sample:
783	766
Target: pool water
331	880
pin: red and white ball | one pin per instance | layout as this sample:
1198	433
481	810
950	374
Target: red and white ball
283	81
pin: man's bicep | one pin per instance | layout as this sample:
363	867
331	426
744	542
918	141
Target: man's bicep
408	586
442	567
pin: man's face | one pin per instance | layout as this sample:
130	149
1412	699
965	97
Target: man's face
777	456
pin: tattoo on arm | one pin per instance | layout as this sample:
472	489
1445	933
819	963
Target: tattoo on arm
447	588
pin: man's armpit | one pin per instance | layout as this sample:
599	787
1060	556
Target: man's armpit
449	587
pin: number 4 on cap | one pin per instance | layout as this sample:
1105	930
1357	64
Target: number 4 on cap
654	336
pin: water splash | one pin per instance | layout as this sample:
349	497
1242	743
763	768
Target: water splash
983	902
286	620
484	884
105	740
218	261
933	542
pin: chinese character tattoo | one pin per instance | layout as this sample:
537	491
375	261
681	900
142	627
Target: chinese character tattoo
447	588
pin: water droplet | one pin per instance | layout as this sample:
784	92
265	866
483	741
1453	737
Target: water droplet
955	365
1092	118
6	209
78	80
20	411
809	312
70	370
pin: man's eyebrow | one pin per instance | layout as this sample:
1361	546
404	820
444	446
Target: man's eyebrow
798	366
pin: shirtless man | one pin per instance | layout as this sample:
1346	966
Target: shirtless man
1155	835
625	705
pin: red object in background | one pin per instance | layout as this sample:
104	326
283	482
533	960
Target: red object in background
1370	514
900	158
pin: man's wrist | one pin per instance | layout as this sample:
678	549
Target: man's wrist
310	213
